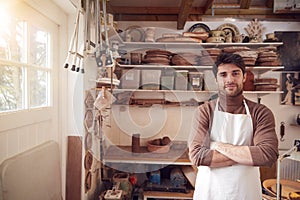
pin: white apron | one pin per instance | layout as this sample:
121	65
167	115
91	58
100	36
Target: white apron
237	182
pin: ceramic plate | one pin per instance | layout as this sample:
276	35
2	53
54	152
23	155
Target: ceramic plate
199	27
89	100
88	141
136	32
88	119
229	29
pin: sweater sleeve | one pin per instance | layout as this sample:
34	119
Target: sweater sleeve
264	151
199	139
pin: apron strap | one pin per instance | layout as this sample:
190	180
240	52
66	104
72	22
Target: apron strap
246	107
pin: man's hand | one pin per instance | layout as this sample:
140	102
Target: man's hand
240	154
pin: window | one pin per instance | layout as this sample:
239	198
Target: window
25	64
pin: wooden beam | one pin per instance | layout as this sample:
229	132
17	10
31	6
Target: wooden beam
251	11
245	4
270	3
271	17
143	10
185	8
138	17
208	5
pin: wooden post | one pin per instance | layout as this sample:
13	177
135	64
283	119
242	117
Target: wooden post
74	168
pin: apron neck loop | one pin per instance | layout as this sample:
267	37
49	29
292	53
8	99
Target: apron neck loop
246	106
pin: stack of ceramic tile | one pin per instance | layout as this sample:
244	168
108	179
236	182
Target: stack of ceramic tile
157	56
267	56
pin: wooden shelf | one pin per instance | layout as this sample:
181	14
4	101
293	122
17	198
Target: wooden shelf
263	92
180	97
265	68
177	155
145	66
180	45
168	195
204	67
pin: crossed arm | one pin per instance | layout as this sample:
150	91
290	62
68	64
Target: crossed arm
228	154
263	152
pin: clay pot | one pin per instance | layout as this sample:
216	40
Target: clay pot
249	83
217	33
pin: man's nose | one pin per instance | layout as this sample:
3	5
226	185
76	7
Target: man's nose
229	77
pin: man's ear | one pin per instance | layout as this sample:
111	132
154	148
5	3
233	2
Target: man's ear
245	77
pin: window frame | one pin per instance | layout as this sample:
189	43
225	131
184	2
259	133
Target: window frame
23	117
34	19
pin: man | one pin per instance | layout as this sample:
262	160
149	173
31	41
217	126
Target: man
231	136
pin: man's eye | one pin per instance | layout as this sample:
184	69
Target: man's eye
222	74
235	73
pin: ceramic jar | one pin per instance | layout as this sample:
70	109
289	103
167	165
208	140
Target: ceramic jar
125	185
217	33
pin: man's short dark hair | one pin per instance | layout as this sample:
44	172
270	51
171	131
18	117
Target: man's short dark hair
227	58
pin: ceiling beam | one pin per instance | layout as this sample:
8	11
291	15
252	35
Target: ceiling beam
245	4
140	17
233	11
185	9
197	17
143	10
208	5
270	3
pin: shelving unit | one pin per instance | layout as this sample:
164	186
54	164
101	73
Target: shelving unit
120	155
167	195
177	45
169	46
137	162
164	67
177	155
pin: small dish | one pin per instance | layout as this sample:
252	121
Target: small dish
199	27
229	29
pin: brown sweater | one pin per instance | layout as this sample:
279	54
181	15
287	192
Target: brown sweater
264	149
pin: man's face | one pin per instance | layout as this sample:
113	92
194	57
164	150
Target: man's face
230	79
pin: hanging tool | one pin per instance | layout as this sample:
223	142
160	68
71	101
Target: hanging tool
98	35
81	65
86	47
109	59
74	35
75	52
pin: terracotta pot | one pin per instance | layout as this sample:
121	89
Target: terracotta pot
249	83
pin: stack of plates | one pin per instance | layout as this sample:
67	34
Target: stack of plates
185	59
268	56
157	56
249	57
210	56
266	84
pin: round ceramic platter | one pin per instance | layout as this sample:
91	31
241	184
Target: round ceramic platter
88	141
88	160
137	33
88	119
199	27
229	29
